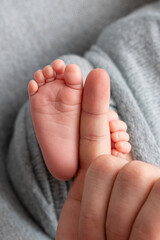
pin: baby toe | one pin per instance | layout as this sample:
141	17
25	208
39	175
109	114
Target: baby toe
39	77
116	153
112	115
59	67
120	136
49	73
123	147
32	88
73	76
117	125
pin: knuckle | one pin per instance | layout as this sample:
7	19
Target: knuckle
113	115
133	171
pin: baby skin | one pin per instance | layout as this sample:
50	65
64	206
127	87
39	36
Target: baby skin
72	122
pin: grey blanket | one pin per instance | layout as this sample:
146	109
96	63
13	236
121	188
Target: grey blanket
129	50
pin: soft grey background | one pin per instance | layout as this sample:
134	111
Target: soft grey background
32	35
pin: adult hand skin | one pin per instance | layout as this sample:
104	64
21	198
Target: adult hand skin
119	200
111	198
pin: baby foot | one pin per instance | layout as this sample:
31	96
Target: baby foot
100	131
120	147
55	102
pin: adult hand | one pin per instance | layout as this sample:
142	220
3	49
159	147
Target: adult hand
110	198
120	201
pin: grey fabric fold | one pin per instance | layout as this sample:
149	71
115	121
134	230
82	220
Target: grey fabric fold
129	51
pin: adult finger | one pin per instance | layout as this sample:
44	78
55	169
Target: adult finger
69	218
130	190
94	127
146	226
98	185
